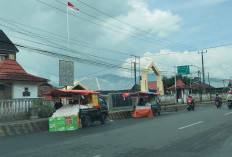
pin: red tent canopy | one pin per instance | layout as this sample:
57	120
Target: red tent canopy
67	93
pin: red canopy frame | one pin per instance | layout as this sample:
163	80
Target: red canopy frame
139	94
67	93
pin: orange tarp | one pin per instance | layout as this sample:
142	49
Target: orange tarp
142	113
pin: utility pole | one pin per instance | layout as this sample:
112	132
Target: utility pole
203	69
135	67
224	86
209	88
176	99
139	70
202	61
190	76
135	70
199	80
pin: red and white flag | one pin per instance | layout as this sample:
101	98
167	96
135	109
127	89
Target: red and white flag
72	7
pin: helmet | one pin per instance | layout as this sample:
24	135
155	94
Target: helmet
217	94
230	92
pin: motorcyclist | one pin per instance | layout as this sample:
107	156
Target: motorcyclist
190	99
190	103
218	100
229	96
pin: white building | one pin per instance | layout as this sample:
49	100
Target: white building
182	91
15	82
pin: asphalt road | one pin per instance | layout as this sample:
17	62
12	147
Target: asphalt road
204	132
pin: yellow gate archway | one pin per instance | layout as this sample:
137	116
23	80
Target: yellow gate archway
144	82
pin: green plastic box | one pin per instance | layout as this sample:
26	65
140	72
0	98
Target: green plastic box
53	128
71	127
61	128
63	123
52	120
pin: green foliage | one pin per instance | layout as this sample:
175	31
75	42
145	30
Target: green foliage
46	108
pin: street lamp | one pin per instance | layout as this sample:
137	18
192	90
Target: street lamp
190	77
199	81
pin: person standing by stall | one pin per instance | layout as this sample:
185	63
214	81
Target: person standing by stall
58	104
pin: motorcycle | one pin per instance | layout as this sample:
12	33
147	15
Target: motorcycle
229	104
218	102
190	104
156	109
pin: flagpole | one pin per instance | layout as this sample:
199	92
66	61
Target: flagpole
68	25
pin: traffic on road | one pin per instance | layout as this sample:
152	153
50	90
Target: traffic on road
204	132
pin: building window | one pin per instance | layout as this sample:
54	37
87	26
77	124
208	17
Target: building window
12	56
26	92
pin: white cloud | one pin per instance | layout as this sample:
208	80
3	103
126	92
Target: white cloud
186	5
216	61
157	22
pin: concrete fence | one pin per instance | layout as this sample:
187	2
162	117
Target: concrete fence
17	108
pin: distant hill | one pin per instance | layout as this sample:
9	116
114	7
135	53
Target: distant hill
117	79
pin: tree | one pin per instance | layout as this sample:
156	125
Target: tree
168	82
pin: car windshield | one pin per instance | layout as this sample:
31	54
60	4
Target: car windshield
113	78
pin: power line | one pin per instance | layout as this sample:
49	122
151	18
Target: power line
125	22
90	62
61	36
101	24
60	47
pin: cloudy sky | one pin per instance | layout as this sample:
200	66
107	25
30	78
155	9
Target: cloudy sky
105	34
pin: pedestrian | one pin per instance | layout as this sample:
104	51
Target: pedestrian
58	105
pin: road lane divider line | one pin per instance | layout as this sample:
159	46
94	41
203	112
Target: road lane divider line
227	113
190	125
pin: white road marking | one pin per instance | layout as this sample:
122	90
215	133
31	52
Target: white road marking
191	125
227	113
97	156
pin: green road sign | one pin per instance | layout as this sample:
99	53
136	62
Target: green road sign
183	70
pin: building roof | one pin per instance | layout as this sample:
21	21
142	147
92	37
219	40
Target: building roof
10	70
218	84
96	84
202	84
44	87
179	85
152	85
6	44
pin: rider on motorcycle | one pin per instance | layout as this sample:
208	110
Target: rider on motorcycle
190	100
229	96
218	100
190	103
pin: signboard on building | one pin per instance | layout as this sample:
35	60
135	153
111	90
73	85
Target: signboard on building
66	73
183	70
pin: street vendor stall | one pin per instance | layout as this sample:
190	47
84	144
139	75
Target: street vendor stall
79	108
148	104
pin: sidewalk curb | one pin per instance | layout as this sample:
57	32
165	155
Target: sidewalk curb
23	127
31	126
